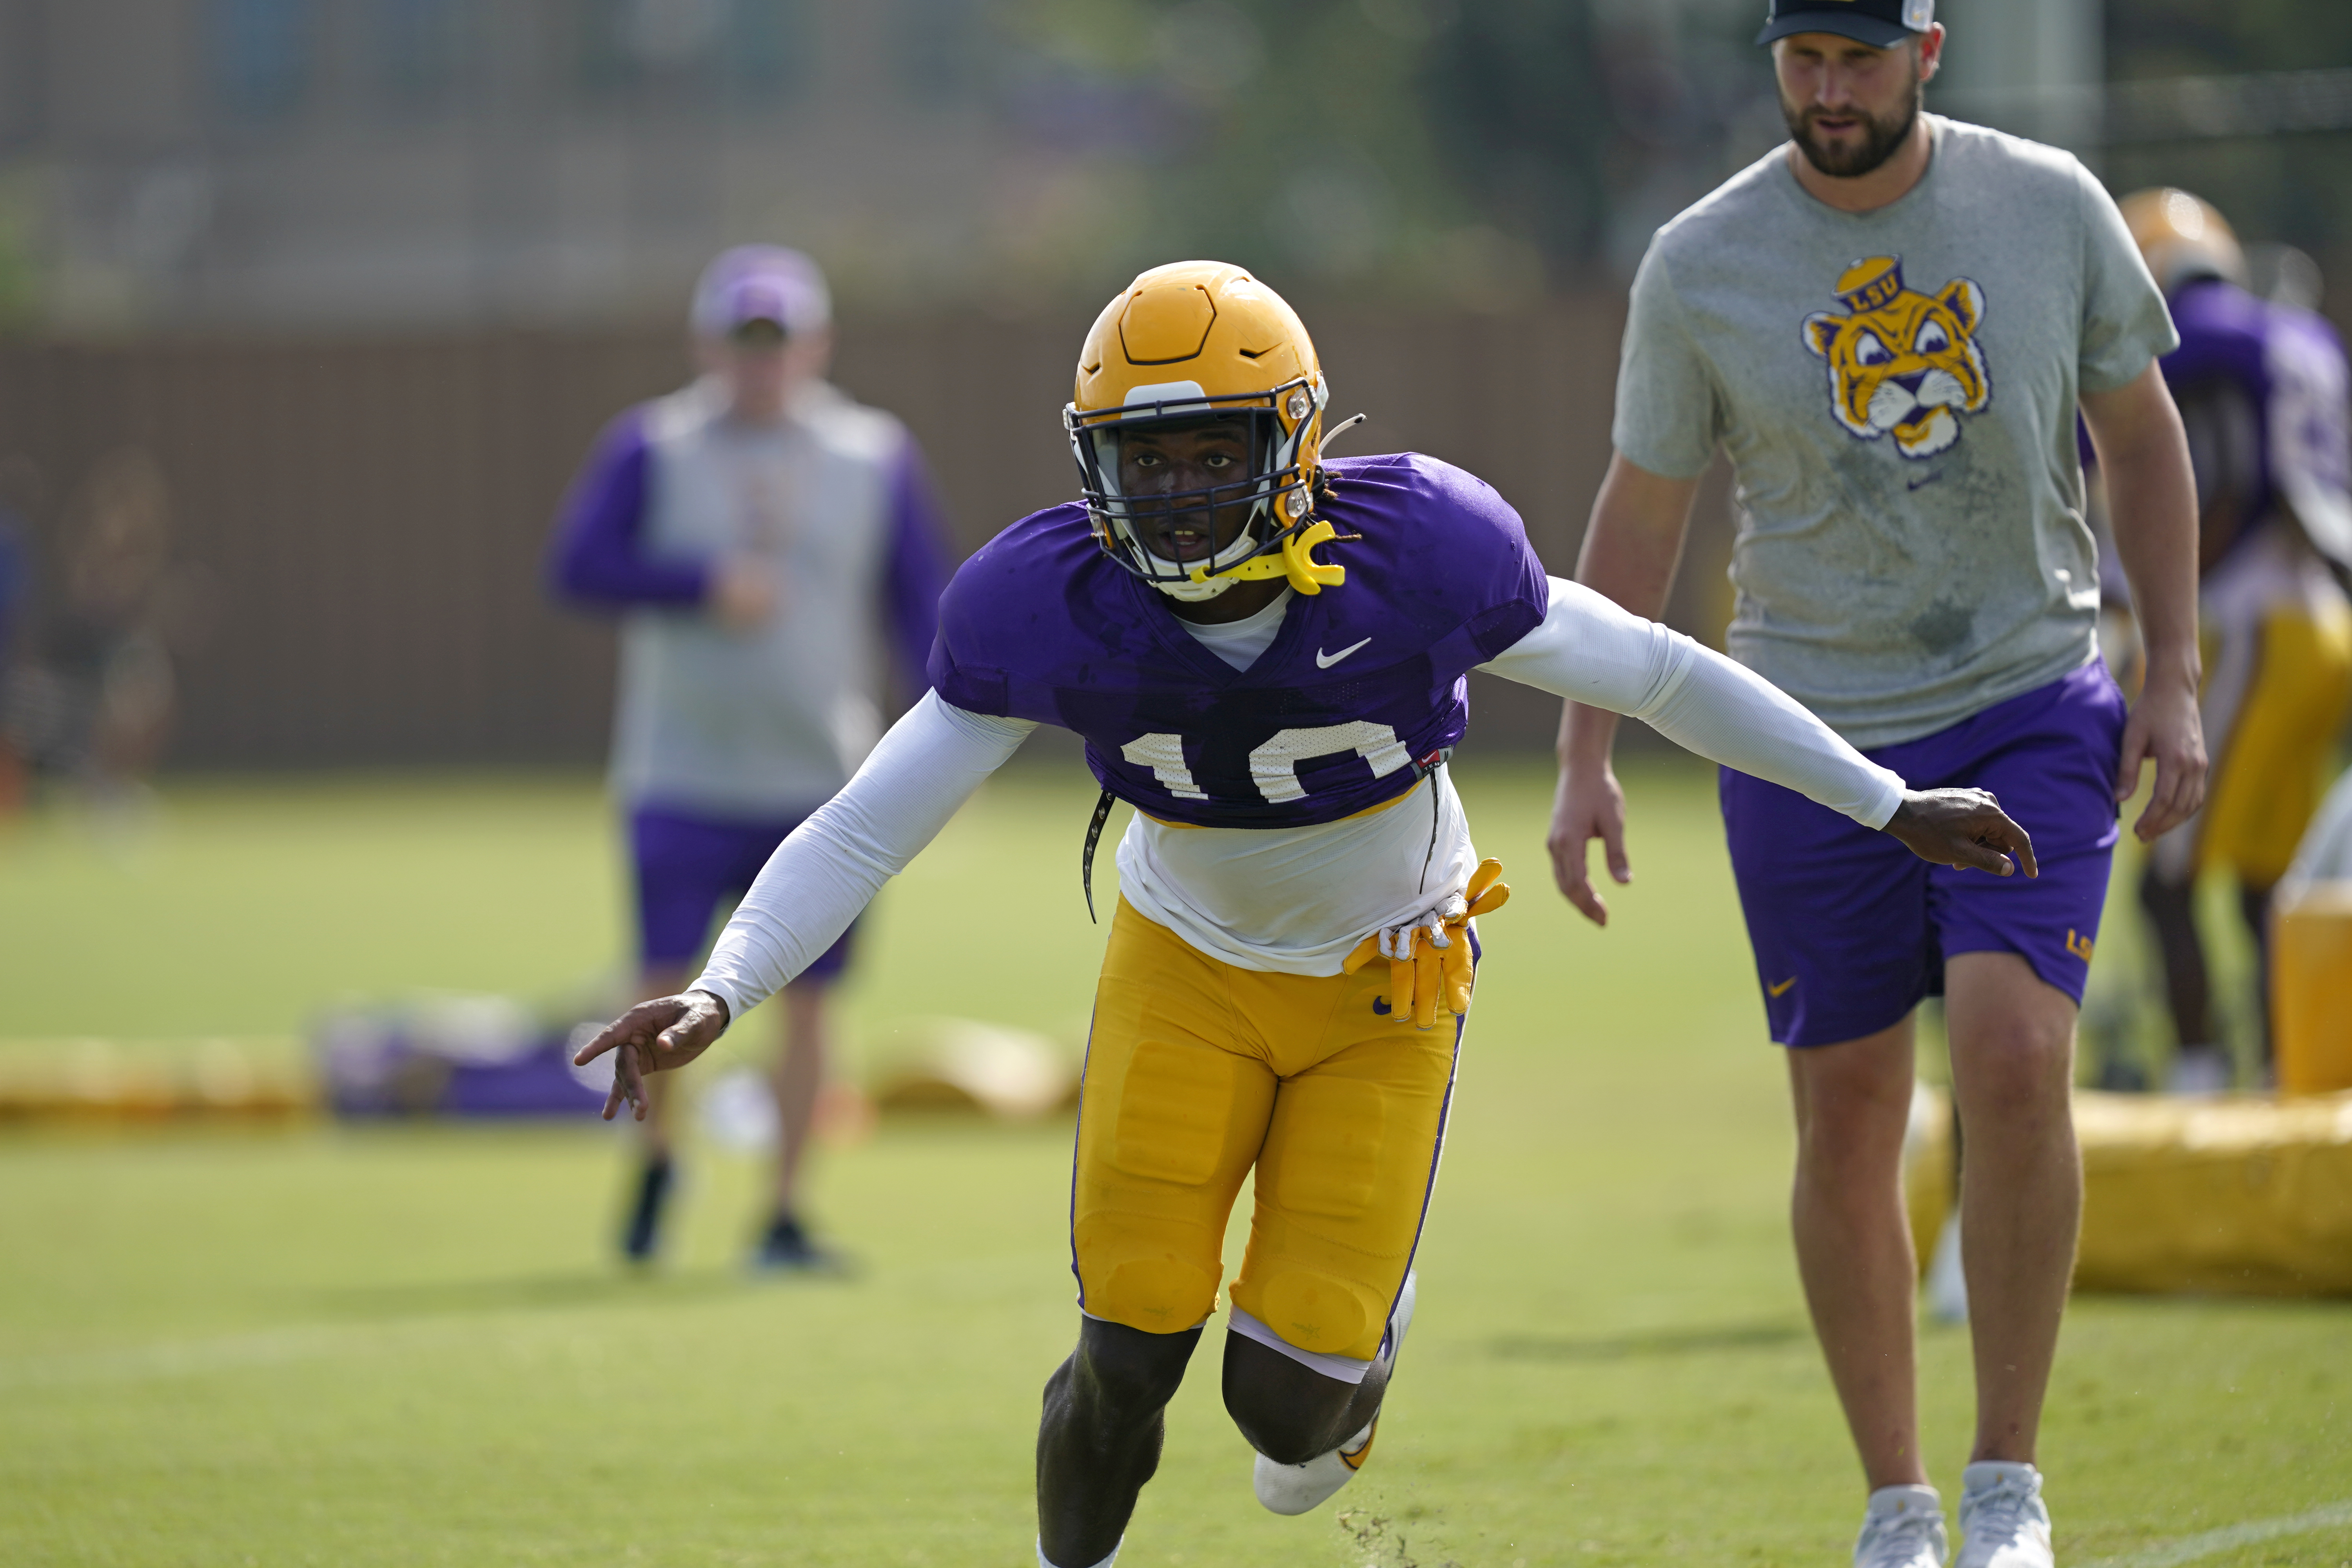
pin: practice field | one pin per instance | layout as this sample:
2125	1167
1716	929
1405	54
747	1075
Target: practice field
409	1345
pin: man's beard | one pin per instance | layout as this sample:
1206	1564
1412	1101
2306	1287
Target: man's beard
1880	137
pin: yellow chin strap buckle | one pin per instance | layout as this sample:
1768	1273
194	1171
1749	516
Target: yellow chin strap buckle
1306	574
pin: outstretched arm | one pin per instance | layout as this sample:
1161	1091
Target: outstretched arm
814	885
1596	654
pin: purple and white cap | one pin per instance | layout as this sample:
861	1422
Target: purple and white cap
760	283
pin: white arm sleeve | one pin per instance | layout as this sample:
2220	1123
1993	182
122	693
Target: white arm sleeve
830	869
1591	651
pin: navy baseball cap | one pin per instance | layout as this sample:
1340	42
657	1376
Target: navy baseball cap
1881	24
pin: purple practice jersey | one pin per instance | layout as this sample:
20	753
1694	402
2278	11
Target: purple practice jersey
2262	392
1362	689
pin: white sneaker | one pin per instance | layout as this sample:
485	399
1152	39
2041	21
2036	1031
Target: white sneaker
1902	1527
1297	1489
2003	1523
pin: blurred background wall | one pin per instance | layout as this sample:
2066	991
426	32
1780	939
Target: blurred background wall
356	280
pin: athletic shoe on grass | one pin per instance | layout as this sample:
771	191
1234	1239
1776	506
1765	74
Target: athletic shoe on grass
1902	1527
1297	1489
787	1248
2003	1523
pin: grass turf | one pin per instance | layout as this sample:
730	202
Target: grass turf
406	1344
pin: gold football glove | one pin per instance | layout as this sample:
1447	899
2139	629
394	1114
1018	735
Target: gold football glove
1429	955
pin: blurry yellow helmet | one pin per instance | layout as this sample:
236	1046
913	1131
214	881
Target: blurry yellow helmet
1195	341
2182	238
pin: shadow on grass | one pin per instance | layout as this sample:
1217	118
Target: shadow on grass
1658	1343
543	1292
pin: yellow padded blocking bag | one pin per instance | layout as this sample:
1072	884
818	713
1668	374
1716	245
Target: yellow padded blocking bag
2242	1195
2246	1194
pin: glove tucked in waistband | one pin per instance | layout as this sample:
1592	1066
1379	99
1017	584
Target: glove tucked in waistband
1429	955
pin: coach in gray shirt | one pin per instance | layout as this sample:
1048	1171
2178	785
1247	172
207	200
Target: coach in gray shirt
1889	324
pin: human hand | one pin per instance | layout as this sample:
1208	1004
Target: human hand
659	1036
743	593
1587	805
1429	955
1963	827
2164	728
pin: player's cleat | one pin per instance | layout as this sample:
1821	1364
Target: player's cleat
2003	1523
786	1249
642	1234
1902	1527
1297	1488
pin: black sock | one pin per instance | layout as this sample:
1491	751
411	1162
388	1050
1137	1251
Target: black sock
645	1219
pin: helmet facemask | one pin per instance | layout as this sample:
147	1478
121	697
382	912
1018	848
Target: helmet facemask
1274	492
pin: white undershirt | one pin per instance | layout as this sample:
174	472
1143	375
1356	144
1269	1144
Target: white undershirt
1291	901
1239	643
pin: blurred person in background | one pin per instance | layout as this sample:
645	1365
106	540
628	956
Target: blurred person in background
763	538
2263	390
90	695
1913	566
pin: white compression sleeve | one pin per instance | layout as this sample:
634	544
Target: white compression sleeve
1591	650
833	865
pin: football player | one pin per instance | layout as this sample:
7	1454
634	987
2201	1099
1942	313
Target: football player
1266	653
1888	323
2261	387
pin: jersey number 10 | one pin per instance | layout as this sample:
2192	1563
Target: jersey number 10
1274	767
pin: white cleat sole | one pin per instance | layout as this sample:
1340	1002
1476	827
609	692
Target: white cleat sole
1291	1490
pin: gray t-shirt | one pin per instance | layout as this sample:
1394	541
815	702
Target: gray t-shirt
1896	390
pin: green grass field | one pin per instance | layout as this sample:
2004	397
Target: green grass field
409	1344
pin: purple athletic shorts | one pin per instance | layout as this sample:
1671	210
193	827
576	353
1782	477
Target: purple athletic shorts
687	864
1850	928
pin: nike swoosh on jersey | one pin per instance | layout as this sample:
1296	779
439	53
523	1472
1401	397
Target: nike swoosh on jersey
1781	989
1326	660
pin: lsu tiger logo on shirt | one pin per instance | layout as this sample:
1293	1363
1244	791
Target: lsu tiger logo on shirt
1900	362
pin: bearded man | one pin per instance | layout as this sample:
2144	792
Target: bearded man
1889	324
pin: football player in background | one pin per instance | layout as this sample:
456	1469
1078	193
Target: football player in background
763	538
1912	566
2261	387
1266	653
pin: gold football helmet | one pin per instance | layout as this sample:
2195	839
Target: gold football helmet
2182	238
1195	341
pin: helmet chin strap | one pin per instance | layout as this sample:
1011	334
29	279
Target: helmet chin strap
1306	574
1197	583
1194	590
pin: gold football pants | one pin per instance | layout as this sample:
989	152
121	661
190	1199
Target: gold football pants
1196	1071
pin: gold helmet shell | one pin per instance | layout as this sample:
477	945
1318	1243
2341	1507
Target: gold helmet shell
2182	238
1196	340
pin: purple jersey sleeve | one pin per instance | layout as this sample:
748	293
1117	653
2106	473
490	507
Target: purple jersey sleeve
1362	689
915	572
598	556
